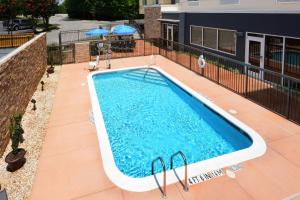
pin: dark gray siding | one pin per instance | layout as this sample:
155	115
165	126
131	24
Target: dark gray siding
275	24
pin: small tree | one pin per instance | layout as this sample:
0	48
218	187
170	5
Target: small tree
41	8
16	133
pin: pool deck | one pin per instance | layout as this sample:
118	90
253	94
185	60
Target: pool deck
70	165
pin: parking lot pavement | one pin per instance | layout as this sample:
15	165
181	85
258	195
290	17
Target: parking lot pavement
73	24
64	23
5	51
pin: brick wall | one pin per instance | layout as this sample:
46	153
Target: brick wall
20	74
152	25
82	52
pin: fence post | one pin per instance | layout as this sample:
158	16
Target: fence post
159	52
288	107
60	48
144	47
246	84
12	39
190	60
218	72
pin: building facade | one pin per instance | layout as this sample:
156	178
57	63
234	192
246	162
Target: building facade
264	33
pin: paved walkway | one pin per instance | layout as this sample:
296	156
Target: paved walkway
70	165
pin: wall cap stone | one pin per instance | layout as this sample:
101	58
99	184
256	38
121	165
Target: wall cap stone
7	57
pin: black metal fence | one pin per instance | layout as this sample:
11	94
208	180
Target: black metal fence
75	36
58	55
274	91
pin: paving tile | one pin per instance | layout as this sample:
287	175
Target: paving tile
50	180
289	148
60	139
216	189
256	183
110	194
279	169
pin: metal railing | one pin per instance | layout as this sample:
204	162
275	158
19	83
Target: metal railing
164	189
185	184
272	90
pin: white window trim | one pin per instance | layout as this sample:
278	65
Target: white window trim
217	49
169	24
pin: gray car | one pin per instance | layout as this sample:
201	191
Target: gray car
18	24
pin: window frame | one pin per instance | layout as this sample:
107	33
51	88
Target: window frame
235	40
191	35
217	49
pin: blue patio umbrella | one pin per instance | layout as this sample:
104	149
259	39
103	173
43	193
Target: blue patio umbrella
123	30
97	32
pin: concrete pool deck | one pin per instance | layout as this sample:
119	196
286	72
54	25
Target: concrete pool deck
70	165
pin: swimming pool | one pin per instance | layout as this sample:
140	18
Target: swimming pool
146	113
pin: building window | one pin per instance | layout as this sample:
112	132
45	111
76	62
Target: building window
145	2
155	2
210	38
229	2
196	35
227	41
292	57
273	53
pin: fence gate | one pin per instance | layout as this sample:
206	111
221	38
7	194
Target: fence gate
61	55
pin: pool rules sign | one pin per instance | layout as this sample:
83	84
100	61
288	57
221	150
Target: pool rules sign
205	177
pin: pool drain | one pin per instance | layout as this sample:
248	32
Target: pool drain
232	111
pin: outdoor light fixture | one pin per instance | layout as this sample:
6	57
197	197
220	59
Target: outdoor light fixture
33	101
43	83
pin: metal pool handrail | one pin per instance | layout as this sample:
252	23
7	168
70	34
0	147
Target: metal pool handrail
185	185
164	190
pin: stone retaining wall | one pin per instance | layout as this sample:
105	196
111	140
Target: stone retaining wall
20	74
152	25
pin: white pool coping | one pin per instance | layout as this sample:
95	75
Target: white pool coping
258	147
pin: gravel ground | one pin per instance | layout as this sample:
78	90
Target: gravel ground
19	184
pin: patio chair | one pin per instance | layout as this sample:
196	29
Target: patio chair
3	195
94	64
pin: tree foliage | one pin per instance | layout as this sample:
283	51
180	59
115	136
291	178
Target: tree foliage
44	9
102	9
40	8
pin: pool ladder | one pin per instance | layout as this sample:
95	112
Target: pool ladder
164	189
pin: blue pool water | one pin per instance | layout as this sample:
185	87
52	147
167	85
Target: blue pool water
146	115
